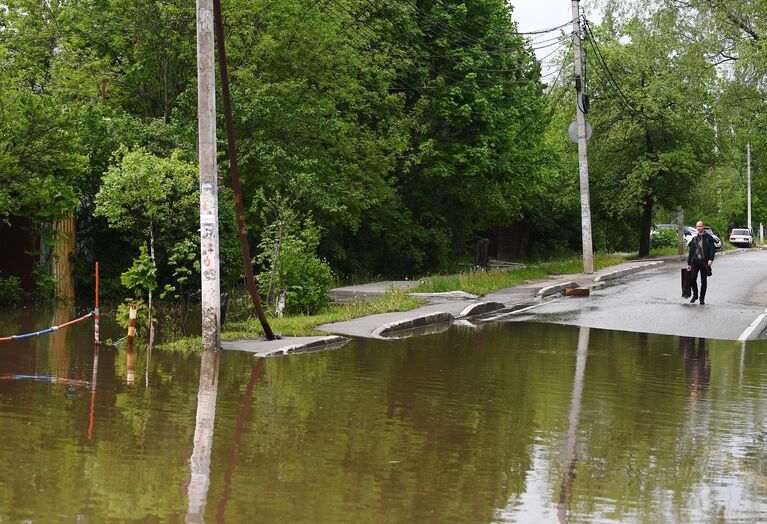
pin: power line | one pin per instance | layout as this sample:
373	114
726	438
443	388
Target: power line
461	81
622	98
431	55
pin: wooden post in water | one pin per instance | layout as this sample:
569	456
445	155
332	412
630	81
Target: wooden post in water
132	314
130	359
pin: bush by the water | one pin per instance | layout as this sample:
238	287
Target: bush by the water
663	238
10	290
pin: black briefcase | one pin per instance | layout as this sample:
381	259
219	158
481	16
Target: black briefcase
686	291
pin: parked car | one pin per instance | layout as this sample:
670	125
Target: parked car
717	240
742	237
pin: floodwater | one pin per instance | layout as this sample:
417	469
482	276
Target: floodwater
508	422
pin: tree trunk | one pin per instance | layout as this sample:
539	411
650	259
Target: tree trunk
644	233
154	265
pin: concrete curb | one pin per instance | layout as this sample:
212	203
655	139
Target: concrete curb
556	288
627	271
285	346
756	327
333	341
450	295
440	317
480	308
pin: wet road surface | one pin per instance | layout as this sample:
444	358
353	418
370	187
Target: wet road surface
651	302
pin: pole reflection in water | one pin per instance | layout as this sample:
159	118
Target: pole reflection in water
742	357
572	430
203	436
130	377
235	448
146	369
94	376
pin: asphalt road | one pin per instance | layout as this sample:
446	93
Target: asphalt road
651	302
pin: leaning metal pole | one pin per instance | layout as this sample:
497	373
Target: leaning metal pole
206	116
244	246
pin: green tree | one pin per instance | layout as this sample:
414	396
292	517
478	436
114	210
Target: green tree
146	195
474	95
40	157
652	119
730	34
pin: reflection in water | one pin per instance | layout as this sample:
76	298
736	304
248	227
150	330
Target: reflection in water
130	364
58	343
94	376
488	424
234	449
697	366
742	358
203	436
146	368
571	456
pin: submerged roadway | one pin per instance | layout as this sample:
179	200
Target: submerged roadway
651	302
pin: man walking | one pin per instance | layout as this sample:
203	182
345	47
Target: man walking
699	260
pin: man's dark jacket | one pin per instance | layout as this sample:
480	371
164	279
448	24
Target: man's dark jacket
708	249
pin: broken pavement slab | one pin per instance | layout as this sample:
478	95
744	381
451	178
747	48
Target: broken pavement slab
383	325
285	345
556	288
431	319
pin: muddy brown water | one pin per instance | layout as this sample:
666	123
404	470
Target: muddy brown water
509	422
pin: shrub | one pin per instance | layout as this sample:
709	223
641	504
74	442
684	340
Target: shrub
10	290
288	252
663	238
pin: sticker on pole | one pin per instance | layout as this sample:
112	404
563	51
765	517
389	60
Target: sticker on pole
572	131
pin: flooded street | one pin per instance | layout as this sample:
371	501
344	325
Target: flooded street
507	422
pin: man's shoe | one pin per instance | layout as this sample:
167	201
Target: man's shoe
702	301
693	299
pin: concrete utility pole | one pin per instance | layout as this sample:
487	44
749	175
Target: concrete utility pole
206	115
748	183
583	166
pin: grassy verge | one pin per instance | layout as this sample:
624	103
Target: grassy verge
476	282
483	282
304	325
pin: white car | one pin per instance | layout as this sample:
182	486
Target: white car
742	237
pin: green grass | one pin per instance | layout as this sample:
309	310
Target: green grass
304	325
660	252
482	282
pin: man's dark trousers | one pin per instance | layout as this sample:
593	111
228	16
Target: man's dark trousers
699	266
